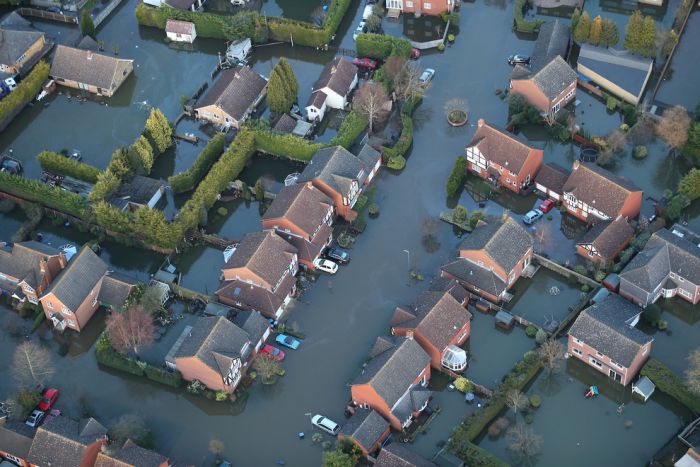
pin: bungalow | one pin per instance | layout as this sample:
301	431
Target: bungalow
617	71
491	259
89	70
81	288
21	46
440	324
63	441
132	455
332	89
419	7
302	215
394	381
213	351
605	240
340	175
550	180
591	193
180	31
372	159
259	274
668	266
138	192
233	98
15	442
499	156
367	429
604	337
27	269
398	455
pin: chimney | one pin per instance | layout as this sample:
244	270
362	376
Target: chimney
480	123
89	55
409	334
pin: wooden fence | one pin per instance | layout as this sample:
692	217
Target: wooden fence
43	14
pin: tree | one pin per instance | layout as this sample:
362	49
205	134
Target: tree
393	67
266	365
516	400
216	447
610	35
337	458
290	78
130	426
524	445
583	28
373	24
32	365
131	329
369	101
575	17
459	215
689	186
408	85
87	27
633	33
649	37
595	35
667	42
259	190
282	88
456	179
159	131
692	373
550	353
144	151
674	126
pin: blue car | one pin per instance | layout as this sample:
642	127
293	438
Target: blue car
287	341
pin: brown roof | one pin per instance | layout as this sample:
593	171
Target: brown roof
255	298
22	260
338	75
309	250
285	124
397	455
316	99
74	283
599	188
301	204
501	147
61	442
263	253
131	455
15	438
235	91
89	67
609	237
115	289
553	177
179	27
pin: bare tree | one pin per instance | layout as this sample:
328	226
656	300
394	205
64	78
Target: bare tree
130	426
130	330
408	86
266	365
516	400
369	101
674	126
616	141
216	446
551	352
524	445
543	235
642	132
692	373
32	365
393	67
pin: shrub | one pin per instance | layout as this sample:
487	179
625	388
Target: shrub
652	314
662	325
541	336
396	163
172	379
26	90
221	396
158	131
521	25
373	210
450	38
222	211
666	381
530	357
531	330
441	46
580	269
585	288
535	401
456	179
463	385
600	276
353	125
405	140
529	418
34	190
381	46
58	163
37	321
470	453
285	145
196	387
611	103
107	356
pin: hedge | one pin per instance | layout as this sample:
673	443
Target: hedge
25	91
353	125
34	190
456	179
405	140
187	180
470	453
172	379
107	356
285	145
304	33
60	164
667	381
381	46
521	25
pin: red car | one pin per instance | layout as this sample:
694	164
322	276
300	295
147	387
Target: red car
365	63
415	54
547	205
48	400
274	351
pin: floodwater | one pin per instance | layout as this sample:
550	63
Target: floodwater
340	315
679	88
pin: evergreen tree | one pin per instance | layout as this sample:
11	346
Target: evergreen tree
610	35
290	79
648	37
633	33
159	131
87	27
575	17
278	92
583	28
596	31
669	43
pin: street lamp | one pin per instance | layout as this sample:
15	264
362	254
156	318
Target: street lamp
408	263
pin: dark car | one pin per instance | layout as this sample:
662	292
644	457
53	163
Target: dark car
341	256
10	165
519	59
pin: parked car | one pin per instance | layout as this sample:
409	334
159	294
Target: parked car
325	424
519	59
48	399
53	9
415	54
341	256
326	265
365	63
11	83
4	90
10	165
360	29
35	418
52	414
532	216
547	205
274	351
287	341
426	76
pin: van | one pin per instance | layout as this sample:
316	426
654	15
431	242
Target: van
325	424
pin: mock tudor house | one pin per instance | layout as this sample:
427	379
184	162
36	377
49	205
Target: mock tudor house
491	259
592	194
84	286
21	46
550	180
131	455
367	429
605	338
332	89
27	269
62	441
259	274
394	381
668	266
499	156
302	215
419	7
440	324
372	159
605	240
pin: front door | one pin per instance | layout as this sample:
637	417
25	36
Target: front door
615	375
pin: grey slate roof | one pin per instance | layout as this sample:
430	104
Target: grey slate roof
505	241
412	402
337	76
440	284
309	249
16	36
501	146
599	188
131	454
608	237
398	455
235	91
16	438
336	167
392	372
138	190
87	66
301	204
366	427
78	278
553	177
317	99
552	40
22	260
620	67
61	441
252	323
265	254
255	298
115	289
604	326
554	77
478	276
285	124
369	156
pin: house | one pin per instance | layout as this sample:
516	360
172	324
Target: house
496	155
444	284
548	83
367	429
186	5
65	442
332	89
302	215
253	323
233	98
491	259
259	275
605	338
605	240
398	455
180	31
132	455
372	159
138	192
85	285
15	442
617	71
668	266
550	180
591	193
394	381
419	7
440	324
27	269
21	46
340	175
89	70
214	352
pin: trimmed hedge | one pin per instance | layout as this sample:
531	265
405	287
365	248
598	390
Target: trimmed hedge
34	190
353	125
667	381
381	46
521	25
473	455
60	164
187	180
107	356
25	91
173	379
284	145
456	179
405	140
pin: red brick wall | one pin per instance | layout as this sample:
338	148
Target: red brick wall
364	394
192	368
436	7
628	374
91	452
341	210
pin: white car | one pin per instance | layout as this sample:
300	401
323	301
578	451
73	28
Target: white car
360	30
326	265
426	76
11	83
35	418
325	424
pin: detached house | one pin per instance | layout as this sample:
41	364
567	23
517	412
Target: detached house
233	98
367	429
332	88
668	266
419	7
591	193
394	381
302	215
605	240
604	337
259	274
85	285
15	442
21	46
65	442
27	269
499	156
491	259
398	455
440	324
132	455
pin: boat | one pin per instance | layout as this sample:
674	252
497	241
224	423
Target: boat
10	165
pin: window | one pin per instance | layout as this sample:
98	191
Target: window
94	301
71	323
595	362
681	279
65	311
569	95
599	354
508	180
49	305
616	364
409	4
576	351
578	341
427	6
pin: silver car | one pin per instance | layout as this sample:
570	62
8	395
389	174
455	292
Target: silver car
426	76
35	418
